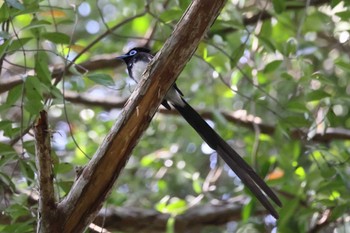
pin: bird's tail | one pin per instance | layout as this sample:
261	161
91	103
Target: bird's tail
248	176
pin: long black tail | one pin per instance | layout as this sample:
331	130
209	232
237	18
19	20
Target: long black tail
231	157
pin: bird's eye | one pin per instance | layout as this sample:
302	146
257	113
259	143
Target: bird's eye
132	52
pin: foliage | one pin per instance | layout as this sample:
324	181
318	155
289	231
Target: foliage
279	65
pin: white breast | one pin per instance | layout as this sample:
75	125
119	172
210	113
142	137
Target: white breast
138	69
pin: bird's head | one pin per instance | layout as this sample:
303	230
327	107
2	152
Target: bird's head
132	53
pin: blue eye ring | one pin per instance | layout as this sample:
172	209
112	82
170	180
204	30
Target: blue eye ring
132	52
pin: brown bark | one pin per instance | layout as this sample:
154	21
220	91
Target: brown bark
84	200
47	221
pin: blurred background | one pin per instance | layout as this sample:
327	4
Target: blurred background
270	76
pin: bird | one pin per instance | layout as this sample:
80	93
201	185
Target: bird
137	60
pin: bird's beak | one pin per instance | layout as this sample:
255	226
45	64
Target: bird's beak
122	57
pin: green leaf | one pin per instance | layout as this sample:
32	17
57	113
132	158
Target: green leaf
63	168
296	106
17	210
218	61
343	65
247	210
267	43
56	92
42	68
184	4
65	185
56	37
296	121
197	186
27	170
36	24
33	102
148	160
272	66
3	47
344	15
317	95
236	55
176	206
29	146
6	127
6	149
14	95
4	13
170	15
291	46
15	4
102	79
18	44
6	180
279	6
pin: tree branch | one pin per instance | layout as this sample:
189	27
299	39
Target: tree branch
85	198
152	221
47	203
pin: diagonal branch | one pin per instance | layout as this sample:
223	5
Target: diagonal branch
84	200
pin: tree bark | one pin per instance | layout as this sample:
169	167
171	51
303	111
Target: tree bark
85	199
47	210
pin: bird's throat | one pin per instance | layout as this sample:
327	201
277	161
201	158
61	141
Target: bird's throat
138	69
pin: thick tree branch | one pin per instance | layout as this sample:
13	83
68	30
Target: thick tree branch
47	204
84	200
152	221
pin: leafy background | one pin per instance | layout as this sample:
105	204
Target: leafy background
272	77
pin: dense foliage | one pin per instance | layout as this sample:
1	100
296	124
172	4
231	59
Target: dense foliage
271	77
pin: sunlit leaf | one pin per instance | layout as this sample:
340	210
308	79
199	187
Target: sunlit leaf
77	48
275	174
247	210
141	24
54	13
197	186
147	160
